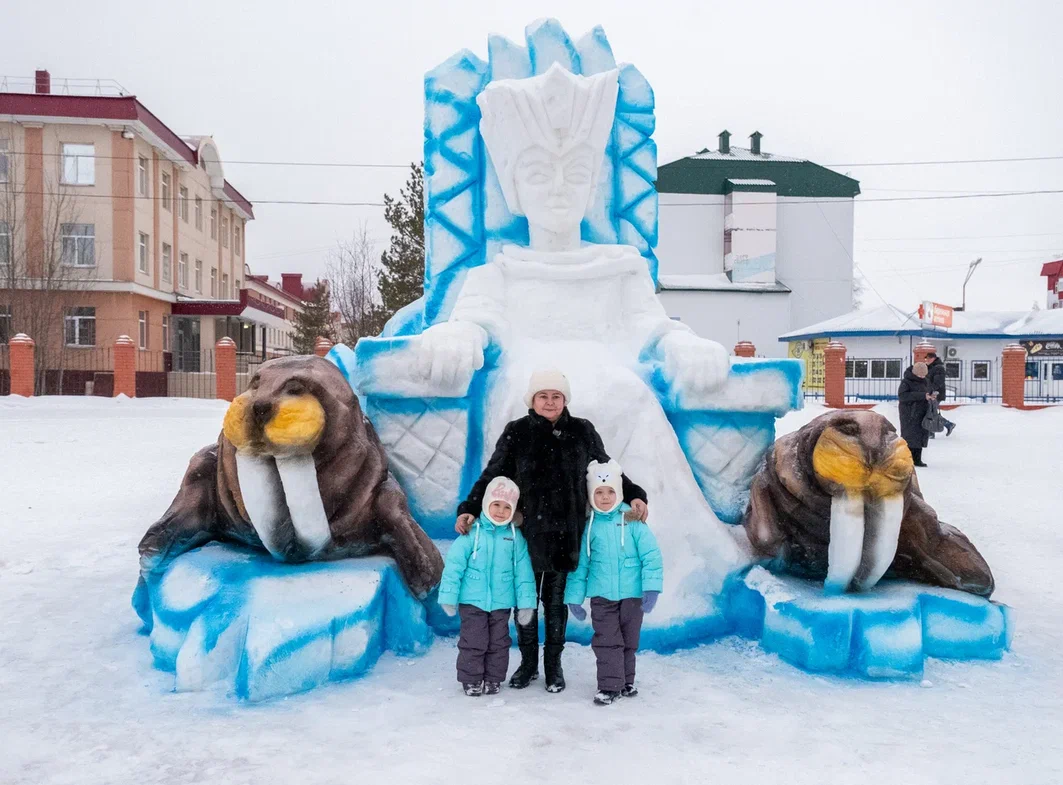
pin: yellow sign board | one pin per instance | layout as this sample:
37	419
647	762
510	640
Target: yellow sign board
812	354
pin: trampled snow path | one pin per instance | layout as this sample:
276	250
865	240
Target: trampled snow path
80	702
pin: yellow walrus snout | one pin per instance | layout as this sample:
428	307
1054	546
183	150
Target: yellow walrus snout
840	460
289	425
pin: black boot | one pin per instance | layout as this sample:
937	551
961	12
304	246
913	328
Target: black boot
556	613
917	457
528	642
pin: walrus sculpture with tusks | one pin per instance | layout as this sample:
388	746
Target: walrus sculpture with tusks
297	471
838	500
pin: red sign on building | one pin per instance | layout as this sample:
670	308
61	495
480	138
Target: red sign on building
935	314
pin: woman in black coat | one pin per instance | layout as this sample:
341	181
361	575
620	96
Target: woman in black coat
914	396
547	453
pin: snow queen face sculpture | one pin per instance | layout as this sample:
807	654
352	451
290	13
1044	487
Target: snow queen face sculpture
546	137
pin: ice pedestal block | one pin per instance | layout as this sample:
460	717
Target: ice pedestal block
884	633
265	629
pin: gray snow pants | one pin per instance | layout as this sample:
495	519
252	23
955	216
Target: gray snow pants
616	639
483	645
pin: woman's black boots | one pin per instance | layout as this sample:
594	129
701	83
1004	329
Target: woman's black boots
528	642
555	614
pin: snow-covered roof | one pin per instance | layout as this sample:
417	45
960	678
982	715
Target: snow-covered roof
715	282
889	320
741	154
749	181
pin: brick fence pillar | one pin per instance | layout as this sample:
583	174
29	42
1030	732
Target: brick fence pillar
20	354
1013	382
920	350
834	375
322	346
225	369
125	367
745	349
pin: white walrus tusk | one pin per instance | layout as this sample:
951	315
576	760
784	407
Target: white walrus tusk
299	477
260	488
846	541
882	531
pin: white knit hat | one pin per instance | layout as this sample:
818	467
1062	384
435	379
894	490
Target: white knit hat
547	379
501	489
605	475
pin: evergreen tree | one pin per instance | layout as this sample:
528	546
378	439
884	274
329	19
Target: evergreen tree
315	320
402	277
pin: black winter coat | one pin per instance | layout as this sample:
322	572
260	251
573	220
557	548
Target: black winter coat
913	407
936	378
548	462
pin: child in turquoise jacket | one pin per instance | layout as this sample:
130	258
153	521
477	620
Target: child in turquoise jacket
487	573
620	569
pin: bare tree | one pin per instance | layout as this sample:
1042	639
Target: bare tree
42	266
353	274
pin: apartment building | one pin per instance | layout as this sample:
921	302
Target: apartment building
134	228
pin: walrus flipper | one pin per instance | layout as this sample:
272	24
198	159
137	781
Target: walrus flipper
416	555
761	520
934	552
189	521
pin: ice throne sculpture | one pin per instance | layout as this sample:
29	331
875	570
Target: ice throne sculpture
540	224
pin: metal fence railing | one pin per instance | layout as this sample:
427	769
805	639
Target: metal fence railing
80	371
5	370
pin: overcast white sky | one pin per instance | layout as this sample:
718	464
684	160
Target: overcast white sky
836	82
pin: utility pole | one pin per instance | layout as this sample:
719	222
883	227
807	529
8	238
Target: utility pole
970	272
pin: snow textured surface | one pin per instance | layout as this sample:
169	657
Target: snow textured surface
81	702
264	629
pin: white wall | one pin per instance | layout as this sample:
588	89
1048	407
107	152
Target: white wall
814	257
690	234
716	315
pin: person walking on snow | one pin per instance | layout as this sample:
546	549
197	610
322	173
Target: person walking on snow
547	453
936	379
620	568
487	573
914	398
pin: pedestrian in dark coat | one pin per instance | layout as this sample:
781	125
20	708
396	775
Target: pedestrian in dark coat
914	396
936	377
547	453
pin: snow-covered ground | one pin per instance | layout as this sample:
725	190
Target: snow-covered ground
81	703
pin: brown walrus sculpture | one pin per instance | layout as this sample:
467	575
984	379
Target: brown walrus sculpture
839	500
298	471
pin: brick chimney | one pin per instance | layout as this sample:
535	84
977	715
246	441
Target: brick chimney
292	283
43	82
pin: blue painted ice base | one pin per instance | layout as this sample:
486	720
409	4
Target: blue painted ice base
265	629
884	633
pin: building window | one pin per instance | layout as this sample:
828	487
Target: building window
184	204
980	371
1057	370
199	275
953	369
167	261
78	244
199	214
166	333
80	326
182	271
1033	370
142	253
213	283
225	286
224	232
4	166
857	369
213	223
885	369
142	323
236	239
165	195
142	176
5	324
79	164
5	244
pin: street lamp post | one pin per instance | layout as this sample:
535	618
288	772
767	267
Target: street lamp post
970	272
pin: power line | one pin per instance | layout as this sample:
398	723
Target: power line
964	237
955	161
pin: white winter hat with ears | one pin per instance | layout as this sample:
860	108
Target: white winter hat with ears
605	475
547	379
501	489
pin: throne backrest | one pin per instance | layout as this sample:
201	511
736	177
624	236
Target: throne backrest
466	217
